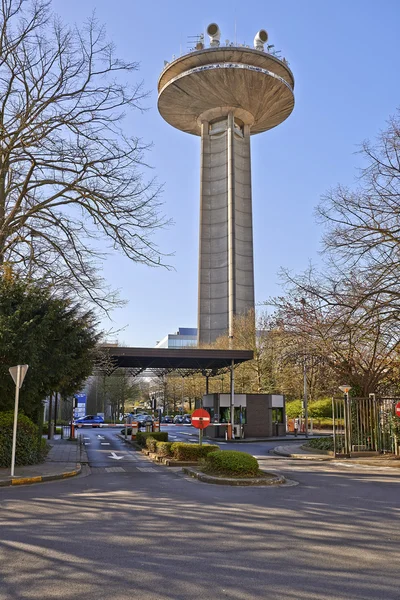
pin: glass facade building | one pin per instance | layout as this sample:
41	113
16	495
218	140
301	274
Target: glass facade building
185	337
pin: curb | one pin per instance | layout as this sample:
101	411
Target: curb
41	478
275	479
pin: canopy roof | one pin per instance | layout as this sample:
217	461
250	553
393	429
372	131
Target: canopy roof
184	360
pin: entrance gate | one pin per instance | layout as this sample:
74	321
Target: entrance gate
364	425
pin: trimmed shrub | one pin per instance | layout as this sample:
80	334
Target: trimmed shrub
151	444
30	449
182	451
164	448
231	462
160	436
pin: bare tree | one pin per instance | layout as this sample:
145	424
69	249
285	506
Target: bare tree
363	225
358	343
70	172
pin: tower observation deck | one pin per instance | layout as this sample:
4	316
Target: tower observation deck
225	94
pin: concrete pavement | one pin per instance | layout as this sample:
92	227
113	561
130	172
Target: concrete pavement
63	460
297	451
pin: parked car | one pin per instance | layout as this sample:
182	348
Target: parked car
142	419
89	421
167	419
187	420
178	419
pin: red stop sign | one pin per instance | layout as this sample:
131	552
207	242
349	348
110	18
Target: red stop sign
397	409
201	418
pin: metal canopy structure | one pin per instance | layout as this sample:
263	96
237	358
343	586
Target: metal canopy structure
184	361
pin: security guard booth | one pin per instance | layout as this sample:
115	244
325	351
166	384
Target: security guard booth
256	415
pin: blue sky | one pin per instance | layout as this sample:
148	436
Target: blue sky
345	60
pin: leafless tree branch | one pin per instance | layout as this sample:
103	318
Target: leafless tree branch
71	176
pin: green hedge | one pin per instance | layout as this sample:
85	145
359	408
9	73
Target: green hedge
161	436
164	448
231	462
30	449
182	451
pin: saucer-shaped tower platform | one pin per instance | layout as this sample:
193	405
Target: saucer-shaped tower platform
225	95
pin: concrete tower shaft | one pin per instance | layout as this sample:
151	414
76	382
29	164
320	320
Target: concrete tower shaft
225	95
226	279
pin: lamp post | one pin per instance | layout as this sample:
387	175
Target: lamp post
305	391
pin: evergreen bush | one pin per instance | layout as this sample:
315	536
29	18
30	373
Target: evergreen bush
30	447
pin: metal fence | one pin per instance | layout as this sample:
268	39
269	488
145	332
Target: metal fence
364	425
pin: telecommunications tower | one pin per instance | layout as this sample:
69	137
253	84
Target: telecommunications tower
225	94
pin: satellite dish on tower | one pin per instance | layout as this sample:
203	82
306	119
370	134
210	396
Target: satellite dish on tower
214	34
260	39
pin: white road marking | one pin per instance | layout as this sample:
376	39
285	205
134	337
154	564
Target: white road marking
113	455
104	444
86	438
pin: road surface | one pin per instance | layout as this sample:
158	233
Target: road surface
131	529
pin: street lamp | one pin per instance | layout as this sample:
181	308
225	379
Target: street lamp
305	392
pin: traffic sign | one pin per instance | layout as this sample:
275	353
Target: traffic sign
18	374
200	418
18	378
345	388
397	409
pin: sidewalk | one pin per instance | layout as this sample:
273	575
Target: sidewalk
296	451
63	460
289	438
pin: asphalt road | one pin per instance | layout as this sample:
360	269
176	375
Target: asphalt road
132	529
187	433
